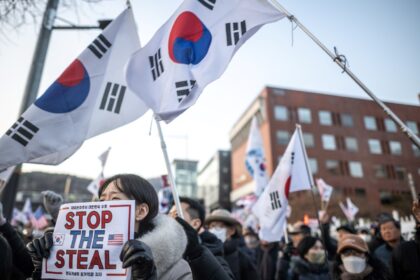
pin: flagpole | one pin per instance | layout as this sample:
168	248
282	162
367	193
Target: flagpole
341	62
311	181
168	167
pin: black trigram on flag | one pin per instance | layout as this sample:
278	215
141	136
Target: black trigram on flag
275	200
156	65
22	131
209	4
183	88
113	98
234	32
100	46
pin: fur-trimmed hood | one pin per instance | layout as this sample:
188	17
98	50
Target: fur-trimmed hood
167	241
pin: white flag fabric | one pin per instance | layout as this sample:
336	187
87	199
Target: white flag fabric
94	186
255	159
104	157
325	190
192	49
5	176
89	98
27	209
351	209
290	175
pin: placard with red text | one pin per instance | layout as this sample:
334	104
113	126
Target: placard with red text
88	238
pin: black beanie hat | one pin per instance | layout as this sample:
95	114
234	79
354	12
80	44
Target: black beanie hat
305	244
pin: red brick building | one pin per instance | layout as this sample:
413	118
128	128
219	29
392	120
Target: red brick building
350	142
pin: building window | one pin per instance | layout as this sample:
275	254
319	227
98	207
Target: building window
328	142
370	123
282	137
304	115
346	120
360	192
380	171
355	168
333	167
416	150
375	146
325	118
313	163
413	126
351	144
390	125
400	172
395	148
308	139
281	113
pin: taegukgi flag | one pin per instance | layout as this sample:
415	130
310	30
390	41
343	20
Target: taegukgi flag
350	211
324	189
192	49
291	175
255	159
89	98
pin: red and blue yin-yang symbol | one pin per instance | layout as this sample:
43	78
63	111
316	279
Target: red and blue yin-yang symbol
68	92
189	40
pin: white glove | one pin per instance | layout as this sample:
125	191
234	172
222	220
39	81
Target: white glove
52	203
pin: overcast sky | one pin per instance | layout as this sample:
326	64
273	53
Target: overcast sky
380	38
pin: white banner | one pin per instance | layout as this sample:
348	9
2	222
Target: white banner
88	238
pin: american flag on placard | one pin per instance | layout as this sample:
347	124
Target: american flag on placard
38	219
115	239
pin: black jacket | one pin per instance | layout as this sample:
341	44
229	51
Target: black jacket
267	260
240	264
22	262
300	269
330	243
215	246
406	259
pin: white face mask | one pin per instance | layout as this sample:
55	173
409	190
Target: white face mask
219	232
366	237
354	264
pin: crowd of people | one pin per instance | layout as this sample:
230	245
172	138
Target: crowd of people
217	246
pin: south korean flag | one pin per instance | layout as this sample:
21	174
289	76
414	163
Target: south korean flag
89	98
192	49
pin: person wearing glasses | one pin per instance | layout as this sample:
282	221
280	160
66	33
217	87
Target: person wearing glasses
354	261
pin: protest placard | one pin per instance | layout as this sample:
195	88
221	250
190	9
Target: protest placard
88	238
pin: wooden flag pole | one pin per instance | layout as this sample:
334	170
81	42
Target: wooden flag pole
341	62
311	181
168	168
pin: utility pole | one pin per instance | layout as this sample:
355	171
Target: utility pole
31	91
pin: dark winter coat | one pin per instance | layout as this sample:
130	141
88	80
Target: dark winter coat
406	259
266	260
215	246
300	269
240	264
330	243
22	262
375	270
384	253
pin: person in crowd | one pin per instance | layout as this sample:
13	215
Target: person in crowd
376	237
210	262
226	228
310	264
13	249
391	234
299	231
6	257
354	262
153	254
344	230
266	256
251	238
406	256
